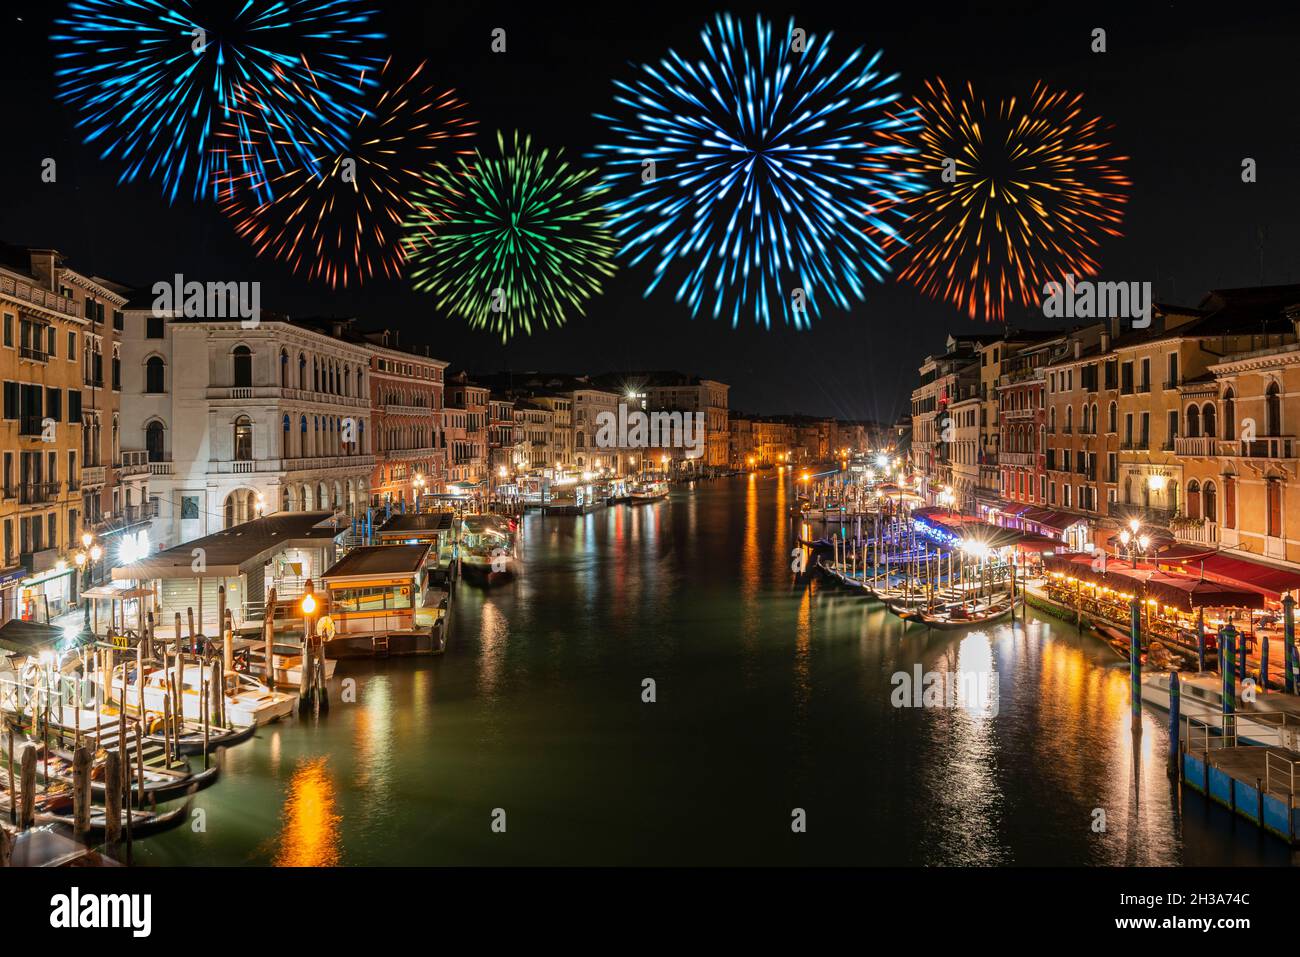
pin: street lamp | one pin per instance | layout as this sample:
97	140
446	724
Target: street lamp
85	558
418	484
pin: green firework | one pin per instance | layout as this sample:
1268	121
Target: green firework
510	241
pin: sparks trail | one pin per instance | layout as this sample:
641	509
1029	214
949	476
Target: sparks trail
512	239
772	172
1034	188
152	81
338	217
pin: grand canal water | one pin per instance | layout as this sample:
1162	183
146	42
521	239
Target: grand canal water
771	695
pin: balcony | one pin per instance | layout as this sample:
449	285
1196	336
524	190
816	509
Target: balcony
1263	447
1202	446
1022	459
1146	514
38	296
33	353
350	463
1206	533
38	493
134	463
93	476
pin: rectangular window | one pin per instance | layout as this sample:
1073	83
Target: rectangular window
189	507
74	405
153	327
72	347
52	346
54	404
1173	371
11	400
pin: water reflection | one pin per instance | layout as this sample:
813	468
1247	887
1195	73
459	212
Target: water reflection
310	835
772	694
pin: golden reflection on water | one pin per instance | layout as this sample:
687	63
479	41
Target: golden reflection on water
311	835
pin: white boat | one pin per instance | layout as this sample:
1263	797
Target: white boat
286	662
648	492
1272	719
248	700
488	550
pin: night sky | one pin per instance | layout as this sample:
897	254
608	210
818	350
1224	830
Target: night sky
1191	91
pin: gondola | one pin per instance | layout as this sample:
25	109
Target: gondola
159	785
947	619
56	807
190	740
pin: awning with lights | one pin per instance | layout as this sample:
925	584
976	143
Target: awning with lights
1178	591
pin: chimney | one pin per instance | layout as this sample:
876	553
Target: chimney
1105	341
1078	348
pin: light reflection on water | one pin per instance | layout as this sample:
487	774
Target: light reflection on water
772	694
310	836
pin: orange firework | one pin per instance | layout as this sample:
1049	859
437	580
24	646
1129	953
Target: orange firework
339	217
1022	195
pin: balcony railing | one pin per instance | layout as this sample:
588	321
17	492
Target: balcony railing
1197	445
1263	447
1207	533
1146	514
135	462
37	493
1024	459
37	296
34	353
93	475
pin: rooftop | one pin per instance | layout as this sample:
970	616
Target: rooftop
378	560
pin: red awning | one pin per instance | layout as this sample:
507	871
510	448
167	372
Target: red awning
1269	580
1179	591
1047	518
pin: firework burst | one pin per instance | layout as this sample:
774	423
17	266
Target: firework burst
339	217
153	80
759	176
1032	188
512	240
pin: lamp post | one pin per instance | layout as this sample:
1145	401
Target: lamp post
417	484
85	559
1135	545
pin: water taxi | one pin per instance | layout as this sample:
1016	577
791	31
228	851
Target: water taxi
385	600
488	549
647	492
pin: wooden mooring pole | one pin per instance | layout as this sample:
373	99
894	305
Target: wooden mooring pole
81	794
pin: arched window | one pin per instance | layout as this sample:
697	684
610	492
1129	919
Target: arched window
1112	420
1193	499
302	371
243	439
1092	419
1230	501
1229	415
284	369
1207	419
154	442
1193	421
243	367
1273	410
1210	502
154	378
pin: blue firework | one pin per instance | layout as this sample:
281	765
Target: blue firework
760	177
153	80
